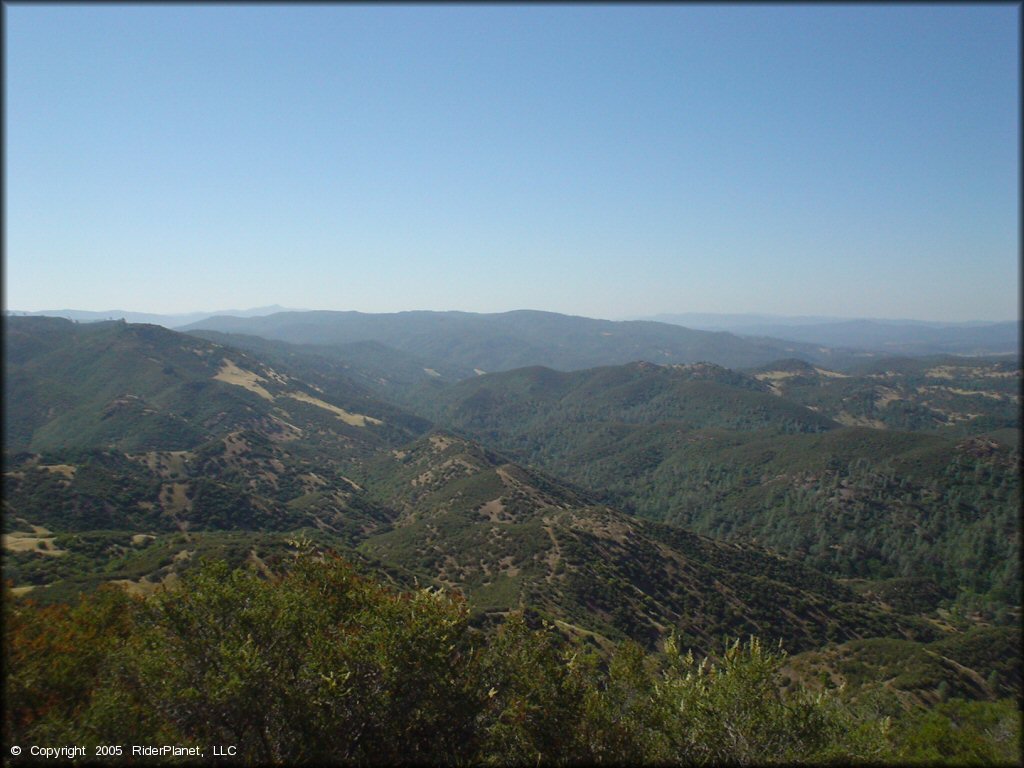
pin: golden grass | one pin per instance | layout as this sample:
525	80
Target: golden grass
232	374
174	497
942	389
506	566
439	442
165	463
774	375
886	396
143	587
23	542
859	421
66	470
982	393
493	510
951	372
353	483
261	566
355	419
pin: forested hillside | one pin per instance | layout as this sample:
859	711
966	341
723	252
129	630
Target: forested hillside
731	455
945	394
620	516
97	492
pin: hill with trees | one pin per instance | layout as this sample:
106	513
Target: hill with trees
567	535
469	342
98	488
732	455
888	337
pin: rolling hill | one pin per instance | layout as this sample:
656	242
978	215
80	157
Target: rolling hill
133	451
512	537
471	342
730	455
890	337
151	318
133	387
944	394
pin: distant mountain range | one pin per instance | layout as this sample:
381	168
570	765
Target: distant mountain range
453	345
902	337
724	321
468	343
168	321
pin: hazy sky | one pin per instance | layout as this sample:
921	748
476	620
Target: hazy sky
604	160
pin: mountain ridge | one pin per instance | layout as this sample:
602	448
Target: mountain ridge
503	341
905	337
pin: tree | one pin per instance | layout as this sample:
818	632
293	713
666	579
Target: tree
317	665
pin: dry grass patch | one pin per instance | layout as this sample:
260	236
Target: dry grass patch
954	417
144	587
174	497
66	470
271	373
831	374
494	510
280	430
886	395
232	374
982	393
440	442
850	420
24	542
256	561
506	567
774	375
355	419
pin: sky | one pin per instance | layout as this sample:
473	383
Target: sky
609	160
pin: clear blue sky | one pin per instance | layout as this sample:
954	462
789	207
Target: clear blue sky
599	160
